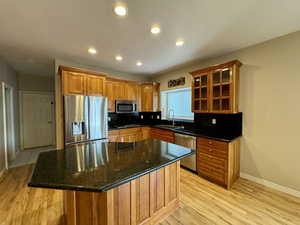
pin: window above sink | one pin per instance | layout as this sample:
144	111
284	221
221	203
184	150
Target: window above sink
178	102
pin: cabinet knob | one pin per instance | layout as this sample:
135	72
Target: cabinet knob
210	150
210	142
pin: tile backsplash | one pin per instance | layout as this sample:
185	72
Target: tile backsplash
121	119
229	123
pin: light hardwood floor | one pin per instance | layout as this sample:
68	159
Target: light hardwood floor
201	203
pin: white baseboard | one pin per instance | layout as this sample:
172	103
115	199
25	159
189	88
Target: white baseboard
271	185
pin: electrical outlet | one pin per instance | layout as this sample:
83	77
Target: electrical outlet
109	119
214	121
157	117
142	117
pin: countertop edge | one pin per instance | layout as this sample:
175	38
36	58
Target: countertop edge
107	187
181	132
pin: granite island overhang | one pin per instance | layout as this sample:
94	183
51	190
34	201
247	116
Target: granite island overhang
114	183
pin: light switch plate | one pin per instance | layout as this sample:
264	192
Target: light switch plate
214	121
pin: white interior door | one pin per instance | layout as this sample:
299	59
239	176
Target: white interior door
3	154
37	120
9	123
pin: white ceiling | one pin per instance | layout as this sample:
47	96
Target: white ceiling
34	32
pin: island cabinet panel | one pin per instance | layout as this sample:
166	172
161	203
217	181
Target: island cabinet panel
145	200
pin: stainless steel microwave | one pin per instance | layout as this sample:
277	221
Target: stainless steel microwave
126	106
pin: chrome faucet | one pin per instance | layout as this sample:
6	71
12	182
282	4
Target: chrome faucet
173	119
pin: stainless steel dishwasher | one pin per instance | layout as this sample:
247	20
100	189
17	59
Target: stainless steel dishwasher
188	142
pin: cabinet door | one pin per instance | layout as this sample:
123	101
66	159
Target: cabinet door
119	90
200	93
131	91
109	93
73	83
156	97
221	91
94	85
147	98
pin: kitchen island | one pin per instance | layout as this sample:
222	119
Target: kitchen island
114	183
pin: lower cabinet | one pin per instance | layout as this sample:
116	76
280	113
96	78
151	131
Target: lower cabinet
129	134
218	161
164	135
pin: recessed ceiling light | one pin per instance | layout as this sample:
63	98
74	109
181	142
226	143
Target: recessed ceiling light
120	9
119	58
179	42
139	63
92	51
155	29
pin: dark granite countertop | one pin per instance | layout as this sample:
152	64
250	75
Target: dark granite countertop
99	166
211	134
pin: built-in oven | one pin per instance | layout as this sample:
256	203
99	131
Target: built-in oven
188	142
126	106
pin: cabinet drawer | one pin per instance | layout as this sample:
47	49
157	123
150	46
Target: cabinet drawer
162	132
212	167
205	159
113	132
210	150
213	174
163	138
130	131
164	135
212	143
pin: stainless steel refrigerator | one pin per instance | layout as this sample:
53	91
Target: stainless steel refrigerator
85	118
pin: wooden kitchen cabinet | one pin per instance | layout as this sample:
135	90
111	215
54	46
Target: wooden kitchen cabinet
131	91
215	89
120	90
164	135
150	97
73	83
218	161
129	134
109	93
94	85
77	81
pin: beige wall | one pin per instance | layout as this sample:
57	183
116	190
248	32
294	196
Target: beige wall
270	102
35	83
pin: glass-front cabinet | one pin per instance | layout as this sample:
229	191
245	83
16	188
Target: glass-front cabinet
215	89
201	93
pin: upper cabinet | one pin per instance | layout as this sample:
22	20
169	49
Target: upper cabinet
120	90
76	81
94	85
215	89
149	97
132	91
